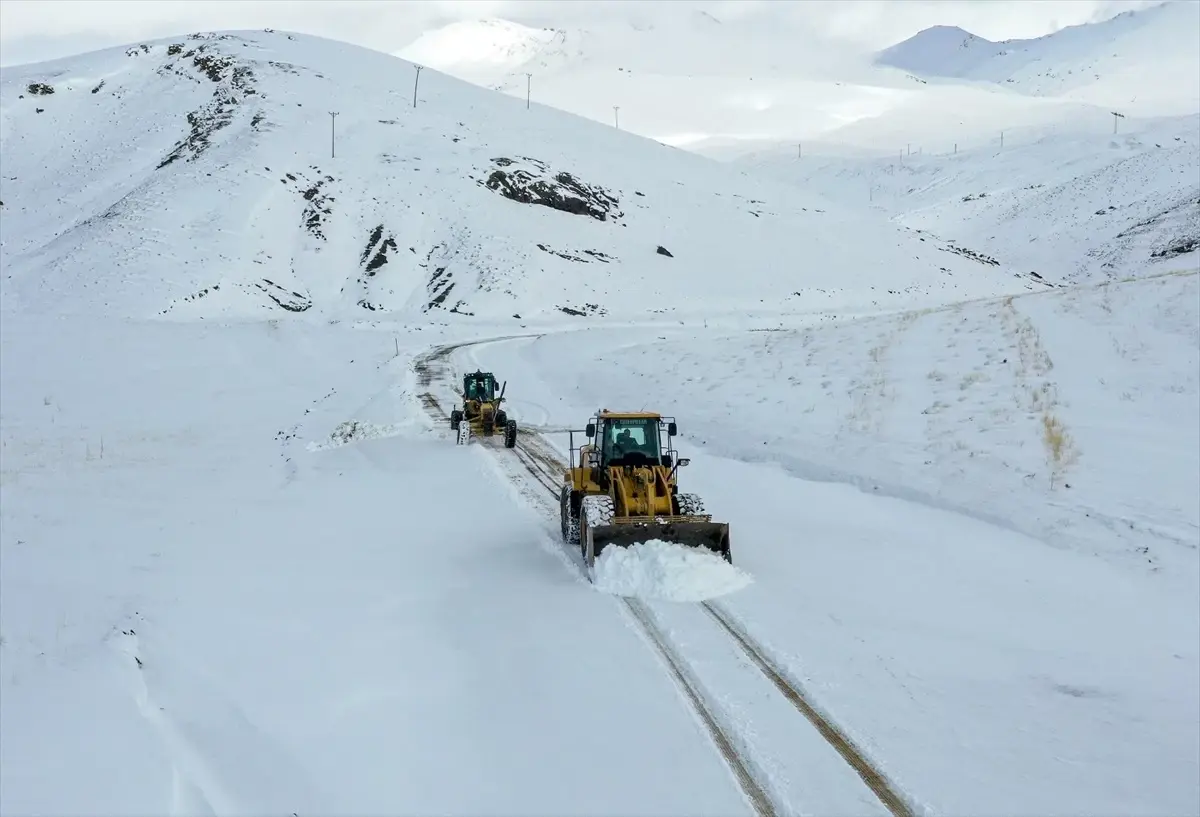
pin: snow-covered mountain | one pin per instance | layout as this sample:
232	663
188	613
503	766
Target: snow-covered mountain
493	52
737	85
1072	203
726	80
1144	62
1016	150
466	204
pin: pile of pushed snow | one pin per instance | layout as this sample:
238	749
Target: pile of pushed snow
353	431
667	571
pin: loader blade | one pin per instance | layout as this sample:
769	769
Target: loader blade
713	536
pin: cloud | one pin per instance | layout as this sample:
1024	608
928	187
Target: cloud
35	30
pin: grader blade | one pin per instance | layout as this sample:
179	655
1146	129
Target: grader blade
701	533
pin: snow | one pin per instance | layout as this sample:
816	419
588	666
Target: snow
737	75
738	84
917	555
1072	203
951	407
468	47
664	570
244	570
1117	62
254	162
318	632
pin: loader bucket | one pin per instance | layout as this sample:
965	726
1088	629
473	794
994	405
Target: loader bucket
713	536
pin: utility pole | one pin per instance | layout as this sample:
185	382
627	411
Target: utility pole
799	150
1001	138
415	81
1116	118
332	135
616	117
528	81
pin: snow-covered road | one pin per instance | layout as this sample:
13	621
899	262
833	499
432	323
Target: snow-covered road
806	762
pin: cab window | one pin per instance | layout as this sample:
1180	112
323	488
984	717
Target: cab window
634	435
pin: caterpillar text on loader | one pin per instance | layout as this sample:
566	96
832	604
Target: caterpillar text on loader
622	489
481	414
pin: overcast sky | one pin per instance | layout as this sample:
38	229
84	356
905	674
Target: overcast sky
35	30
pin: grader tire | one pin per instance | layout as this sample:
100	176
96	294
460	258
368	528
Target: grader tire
510	434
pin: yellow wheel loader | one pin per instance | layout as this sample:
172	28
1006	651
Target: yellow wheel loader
620	489
481	414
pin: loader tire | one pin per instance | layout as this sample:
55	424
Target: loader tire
690	504
510	434
593	511
569	519
455	419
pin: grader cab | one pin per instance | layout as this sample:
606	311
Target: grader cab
481	413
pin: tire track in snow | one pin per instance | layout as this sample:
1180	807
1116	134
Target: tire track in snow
193	788
543	464
546	473
221	763
834	736
543	472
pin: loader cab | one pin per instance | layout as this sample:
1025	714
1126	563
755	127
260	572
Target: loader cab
480	386
632	440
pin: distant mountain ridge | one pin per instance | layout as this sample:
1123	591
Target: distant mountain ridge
1147	59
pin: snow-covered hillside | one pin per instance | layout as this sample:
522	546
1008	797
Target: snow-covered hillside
1067	415
1067	203
194	177
1144	62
